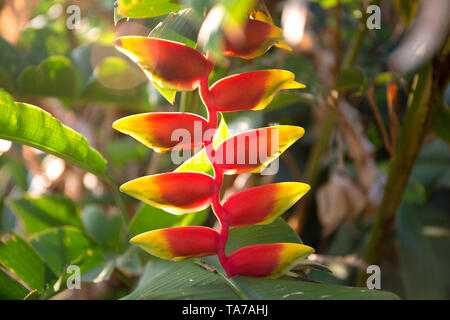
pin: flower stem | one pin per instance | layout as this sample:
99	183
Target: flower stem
208	100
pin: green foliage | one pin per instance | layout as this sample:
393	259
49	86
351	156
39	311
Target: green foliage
146	8
44	212
108	84
102	228
30	125
42	235
11	289
55	77
63	246
351	78
150	218
441	119
123	151
19	257
188	280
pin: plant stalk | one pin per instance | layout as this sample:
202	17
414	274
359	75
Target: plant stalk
218	175
428	90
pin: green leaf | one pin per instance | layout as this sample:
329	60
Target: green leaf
117	81
146	8
44	212
187	280
105	230
11	289
424	255
179	26
277	231
431	165
441	120
166	93
162	279
6	81
63	246
218	291
285	99
30	125
406	9
351	78
150	218
236	11
199	162
54	77
384	78
332	3
20	258
269	289
11	59
122	151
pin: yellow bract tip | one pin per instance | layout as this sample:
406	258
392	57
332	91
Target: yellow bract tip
283	45
293	85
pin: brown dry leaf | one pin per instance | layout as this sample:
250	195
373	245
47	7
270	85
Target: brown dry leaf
338	199
360	149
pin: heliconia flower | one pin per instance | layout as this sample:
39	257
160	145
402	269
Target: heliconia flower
178	243
258	37
158	130
253	150
251	90
170	64
263	204
266	260
174	192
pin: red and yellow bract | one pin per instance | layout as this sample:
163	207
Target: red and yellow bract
178	243
175	66
261	205
258	37
147	129
259	86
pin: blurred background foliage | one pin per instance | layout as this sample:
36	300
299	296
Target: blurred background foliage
53	214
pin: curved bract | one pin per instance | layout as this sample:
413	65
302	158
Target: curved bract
174	66
266	260
179	243
253	150
170	64
174	192
163	131
258	37
263	204
251	90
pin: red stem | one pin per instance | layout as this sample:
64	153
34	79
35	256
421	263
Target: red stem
208	101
